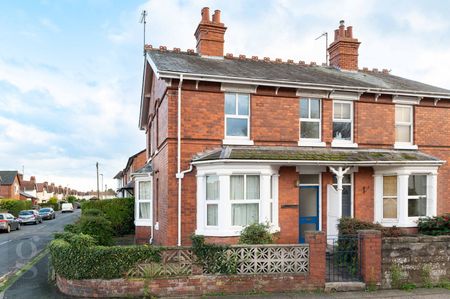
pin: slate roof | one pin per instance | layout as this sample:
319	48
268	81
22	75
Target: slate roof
182	62
7	177
147	168
326	155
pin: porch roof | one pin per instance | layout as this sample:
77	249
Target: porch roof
316	156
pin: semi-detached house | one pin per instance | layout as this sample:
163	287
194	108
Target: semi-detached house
233	140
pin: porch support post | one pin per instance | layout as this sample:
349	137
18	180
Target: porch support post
339	172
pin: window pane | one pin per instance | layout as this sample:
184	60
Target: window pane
304	108
243	104
346	201
402	114
237	127
309	130
402	133
315	108
417	207
252	187
342	131
230	103
389	186
212	212
389	207
309	179
337	110
145	190
212	187
346	111
244	214
417	185
237	187
144	210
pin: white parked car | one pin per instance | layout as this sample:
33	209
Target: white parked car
67	207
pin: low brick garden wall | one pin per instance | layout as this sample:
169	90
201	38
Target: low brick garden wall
419	260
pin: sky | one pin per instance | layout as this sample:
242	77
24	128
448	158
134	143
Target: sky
71	70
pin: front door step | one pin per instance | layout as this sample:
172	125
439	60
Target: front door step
345	286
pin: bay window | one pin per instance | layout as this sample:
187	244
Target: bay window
342	122
212	200
310	116
237	116
389	197
417	195
245	196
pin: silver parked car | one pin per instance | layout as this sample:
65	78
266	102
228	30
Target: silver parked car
30	216
8	222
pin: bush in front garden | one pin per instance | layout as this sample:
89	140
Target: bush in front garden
435	226
120	211
93	212
14	206
74	256
350	226
257	233
98	227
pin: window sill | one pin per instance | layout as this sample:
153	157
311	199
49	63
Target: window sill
237	142
405	146
143	222
230	232
336	143
311	143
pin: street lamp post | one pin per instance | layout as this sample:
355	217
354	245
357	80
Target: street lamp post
102	185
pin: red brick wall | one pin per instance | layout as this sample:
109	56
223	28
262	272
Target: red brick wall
372	121
142	234
370	255
288	195
7	191
364	194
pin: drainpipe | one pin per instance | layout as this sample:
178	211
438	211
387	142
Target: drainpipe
179	175
339	177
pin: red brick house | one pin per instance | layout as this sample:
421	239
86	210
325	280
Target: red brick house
10	184
125	182
236	140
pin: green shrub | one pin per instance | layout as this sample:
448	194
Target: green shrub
77	258
93	212
72	228
351	226
212	257
120	211
96	226
14	206
54	206
435	226
256	233
71	199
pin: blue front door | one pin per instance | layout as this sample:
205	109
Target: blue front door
308	210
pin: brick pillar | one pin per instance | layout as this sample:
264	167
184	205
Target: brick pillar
317	260
370	255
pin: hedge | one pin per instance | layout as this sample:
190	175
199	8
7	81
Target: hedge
74	256
55	206
14	206
435	226
350	226
120	211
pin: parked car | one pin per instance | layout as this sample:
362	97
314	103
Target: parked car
67	207
30	216
8	222
47	213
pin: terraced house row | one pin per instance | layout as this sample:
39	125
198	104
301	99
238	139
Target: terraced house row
233	140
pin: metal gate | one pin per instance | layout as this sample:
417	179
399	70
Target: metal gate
343	259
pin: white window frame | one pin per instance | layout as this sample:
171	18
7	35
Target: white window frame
410	144
403	173
245	200
417	197
340	142
139	221
237	140
225	171
211	202
310	141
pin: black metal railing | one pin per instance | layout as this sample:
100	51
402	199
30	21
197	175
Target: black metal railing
343	258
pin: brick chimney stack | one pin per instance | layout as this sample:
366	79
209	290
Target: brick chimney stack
344	49
210	34
33	179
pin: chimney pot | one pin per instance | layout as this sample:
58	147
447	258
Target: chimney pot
350	31
216	17
205	15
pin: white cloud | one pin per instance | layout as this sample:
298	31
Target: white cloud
49	24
